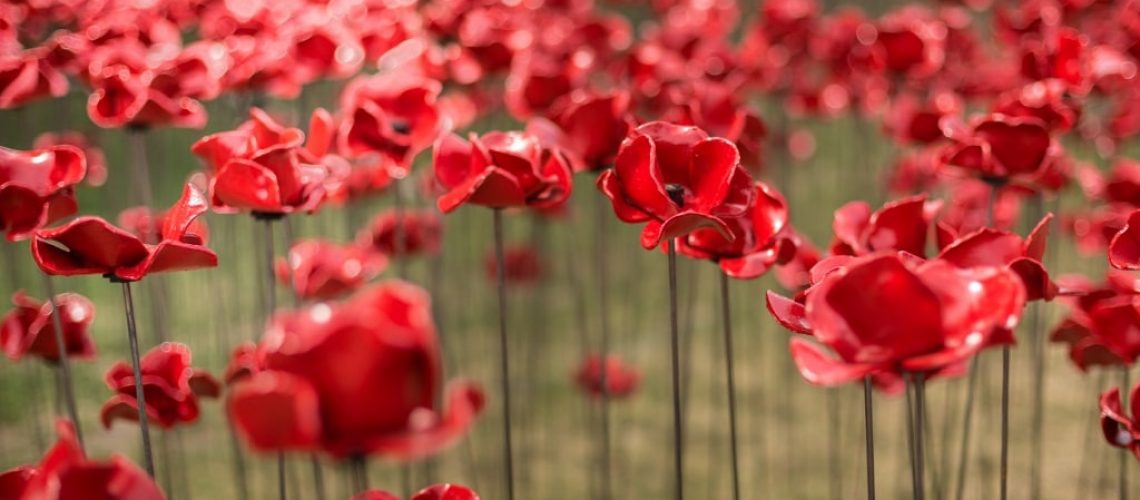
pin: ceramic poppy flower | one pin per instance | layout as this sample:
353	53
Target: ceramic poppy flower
96	161
29	328
1124	249
262	167
614	377
991	247
1046	100
998	148
445	492
538	78
1103	326
911	41
244	362
422	233
885	315
148	226
394	114
171	387
28	76
675	178
321	270
761	237
65	472
914	121
716	107
499	170
1119	429
522	265
91	245
124	97
37	187
902	225
305	399
795	274
589	127
324	48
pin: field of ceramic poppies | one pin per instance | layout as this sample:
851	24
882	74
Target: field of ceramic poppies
552	249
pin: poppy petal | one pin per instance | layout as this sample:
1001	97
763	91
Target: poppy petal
493	187
276	411
819	368
789	313
1124	249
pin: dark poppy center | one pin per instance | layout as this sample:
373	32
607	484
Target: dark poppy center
676	193
401	127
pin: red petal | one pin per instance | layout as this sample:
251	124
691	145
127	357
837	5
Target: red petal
680	225
465	401
1124	249
89	245
850	223
818	368
446	492
1037	239
712	164
611	188
177	220
246	185
276	411
789	313
899	225
640	178
494	188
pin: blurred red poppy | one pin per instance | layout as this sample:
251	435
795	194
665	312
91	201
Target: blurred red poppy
888	314
500	170
991	247
675	178
1001	148
394	114
123	97
902	225
911	41
422	233
1124	249
37	187
614	377
29	328
28	76
914	121
1118	429
91	245
65	472
170	385
244	362
321	270
321	362
445	492
761	237
96	161
588	126
1103	324
1046	100
522	265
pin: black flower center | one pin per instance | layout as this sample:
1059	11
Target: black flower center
676	193
401	127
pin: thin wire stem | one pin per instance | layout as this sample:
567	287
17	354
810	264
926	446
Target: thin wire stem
504	352
730	378
674	339
602	216
64	365
919	423
869	433
140	397
1125	388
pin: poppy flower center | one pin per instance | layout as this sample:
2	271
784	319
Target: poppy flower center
676	193
401	127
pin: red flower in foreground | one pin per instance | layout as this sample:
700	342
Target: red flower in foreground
613	376
91	245
37	187
1120	430
499	170
422	233
29	328
1002	148
65	473
1103	325
322	362
28	76
170	385
761	237
320	270
990	247
675	178
523	266
885	315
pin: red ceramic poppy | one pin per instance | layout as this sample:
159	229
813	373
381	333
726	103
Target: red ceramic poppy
323	47
65	472
148	226
914	121
885	315
717	108
321	362
761	237
911	41
967	208
37	187
795	274
244	362
393	114
613	377
588	126
262	167
675	178
321	270
28	76
1120	430
901	225
29	328
91	245
124	97
499	170
991	247
445	492
422	233
523	265
539	78
1103	325
96	161
171	387
1046	100
999	148
1124	249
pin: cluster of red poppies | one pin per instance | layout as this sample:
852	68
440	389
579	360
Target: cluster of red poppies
985	119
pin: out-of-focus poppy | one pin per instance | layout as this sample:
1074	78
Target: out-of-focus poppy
65	472
394	114
96	161
170	385
991	247
761	237
1119	429
590	127
1000	148
445	492
28	76
675	178
30	329
611	377
320	270
500	170
1124	249
422	233
37	187
902	225
321	362
1103	325
244	362
522	265
91	245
